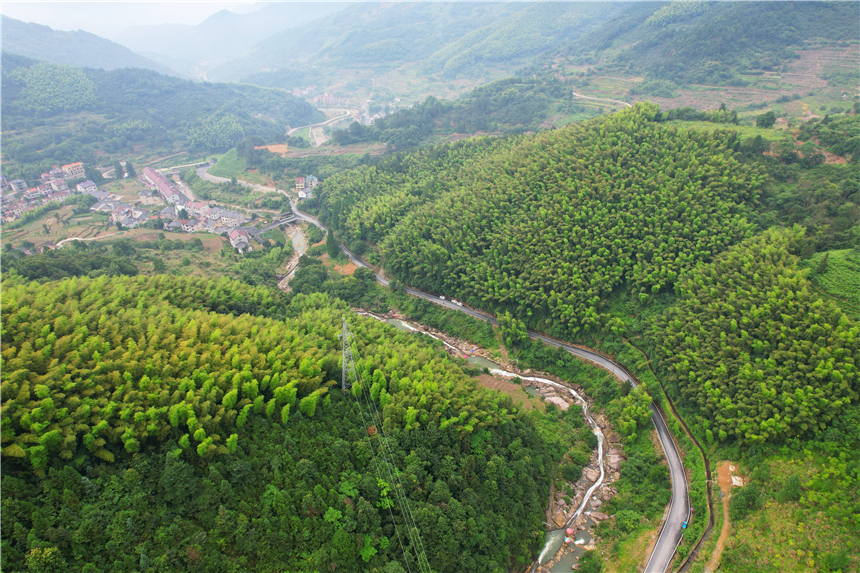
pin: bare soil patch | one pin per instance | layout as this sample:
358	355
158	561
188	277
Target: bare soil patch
515	391
280	149
724	478
347	269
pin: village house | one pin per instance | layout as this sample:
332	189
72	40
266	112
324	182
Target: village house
311	182
120	212
14	210
158	182
300	183
175	225
86	187
73	170
214	213
192	225
59	185
135	218
196	208
102	195
168	213
239	240
105	206
18	185
4	185
32	194
231	218
57	197
149	198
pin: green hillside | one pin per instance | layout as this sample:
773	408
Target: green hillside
77	48
146	427
119	112
746	346
446	38
547	226
512	105
713	42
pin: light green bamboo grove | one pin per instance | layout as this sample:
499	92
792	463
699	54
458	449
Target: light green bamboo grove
755	349
90	365
546	226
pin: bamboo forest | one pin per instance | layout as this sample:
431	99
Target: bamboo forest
160	391
430	287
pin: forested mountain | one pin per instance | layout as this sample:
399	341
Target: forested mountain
146	427
712	42
375	34
448	38
512	105
193	49
76	48
755	349
89	110
546	226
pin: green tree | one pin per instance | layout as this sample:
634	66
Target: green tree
766	120
331	246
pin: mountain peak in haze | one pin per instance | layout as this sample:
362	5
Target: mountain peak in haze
77	48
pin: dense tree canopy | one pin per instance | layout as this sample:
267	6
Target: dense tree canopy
546	226
755	350
168	434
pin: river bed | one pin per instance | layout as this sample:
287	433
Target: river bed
555	539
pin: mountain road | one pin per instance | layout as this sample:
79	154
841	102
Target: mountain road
679	507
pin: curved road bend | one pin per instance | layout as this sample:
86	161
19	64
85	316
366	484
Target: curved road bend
679	508
346	113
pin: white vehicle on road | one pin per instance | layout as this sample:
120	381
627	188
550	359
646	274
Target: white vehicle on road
441	298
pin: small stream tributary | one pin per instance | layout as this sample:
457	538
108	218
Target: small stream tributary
554	539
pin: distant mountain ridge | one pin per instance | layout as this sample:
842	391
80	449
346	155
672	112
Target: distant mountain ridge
76	48
225	34
449	38
712	42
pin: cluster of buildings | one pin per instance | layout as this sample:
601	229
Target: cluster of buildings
305	186
53	187
129	216
162	185
183	214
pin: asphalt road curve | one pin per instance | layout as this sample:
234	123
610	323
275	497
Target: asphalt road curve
679	507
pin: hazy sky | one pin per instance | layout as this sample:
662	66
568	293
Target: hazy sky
109	19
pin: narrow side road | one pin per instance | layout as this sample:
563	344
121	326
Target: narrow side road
601	99
679	508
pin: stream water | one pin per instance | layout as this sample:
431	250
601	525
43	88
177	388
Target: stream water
554	539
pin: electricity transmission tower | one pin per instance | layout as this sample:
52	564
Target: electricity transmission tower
386	471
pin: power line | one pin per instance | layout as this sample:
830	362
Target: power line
350	377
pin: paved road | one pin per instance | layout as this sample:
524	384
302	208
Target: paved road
203	173
602	99
679	508
346	113
279	222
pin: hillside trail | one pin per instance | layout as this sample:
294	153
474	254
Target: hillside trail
724	478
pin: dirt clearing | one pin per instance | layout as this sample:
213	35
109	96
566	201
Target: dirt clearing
727	480
515	391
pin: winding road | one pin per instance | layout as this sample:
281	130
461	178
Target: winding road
679	508
346	113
